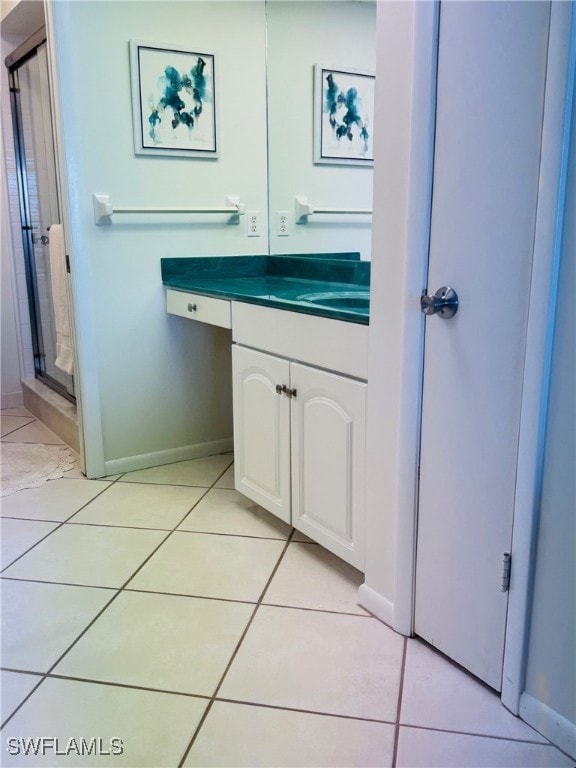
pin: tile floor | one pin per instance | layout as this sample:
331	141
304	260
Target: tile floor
167	620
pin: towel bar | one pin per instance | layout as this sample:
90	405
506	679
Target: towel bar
104	210
303	209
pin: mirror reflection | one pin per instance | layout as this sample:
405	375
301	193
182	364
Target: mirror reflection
308	40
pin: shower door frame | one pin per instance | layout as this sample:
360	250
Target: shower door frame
27	51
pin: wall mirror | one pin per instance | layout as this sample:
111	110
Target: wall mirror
334	34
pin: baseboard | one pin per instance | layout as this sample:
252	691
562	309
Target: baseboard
378	605
12	400
169	456
557	729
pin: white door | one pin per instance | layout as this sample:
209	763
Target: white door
491	69
328	422
261	429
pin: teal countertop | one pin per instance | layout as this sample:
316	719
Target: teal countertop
329	285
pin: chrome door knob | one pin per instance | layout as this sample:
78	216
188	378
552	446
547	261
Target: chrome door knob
444	303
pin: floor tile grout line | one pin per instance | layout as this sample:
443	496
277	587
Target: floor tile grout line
68	476
86	628
206	697
63	522
11	432
86	525
69	520
108	683
329	611
340	716
261	705
177	529
232	535
234	653
175	485
57	583
215	698
496	737
221	475
16	670
182	485
31	420
165	539
171	532
103	479
104	608
61	444
134	590
5	567
223	700
24	700
159	592
59	659
125	527
131	590
399	705
151	554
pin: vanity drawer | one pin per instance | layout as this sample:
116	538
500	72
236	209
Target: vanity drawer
204	309
320	341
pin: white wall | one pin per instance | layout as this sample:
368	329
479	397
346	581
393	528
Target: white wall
300	35
551	668
152	383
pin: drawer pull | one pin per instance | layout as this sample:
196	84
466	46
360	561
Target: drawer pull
192	307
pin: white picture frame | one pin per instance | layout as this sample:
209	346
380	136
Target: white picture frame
173	101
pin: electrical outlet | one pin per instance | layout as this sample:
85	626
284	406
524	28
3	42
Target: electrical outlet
253	224
282	224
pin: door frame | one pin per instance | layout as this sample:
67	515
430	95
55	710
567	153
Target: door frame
82	310
407	55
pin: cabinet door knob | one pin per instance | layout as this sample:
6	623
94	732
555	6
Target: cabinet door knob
282	389
192	307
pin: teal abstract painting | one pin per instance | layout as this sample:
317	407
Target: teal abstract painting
343	116
173	101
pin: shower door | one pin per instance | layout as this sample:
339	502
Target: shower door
39	206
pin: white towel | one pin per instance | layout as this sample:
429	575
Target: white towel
58	274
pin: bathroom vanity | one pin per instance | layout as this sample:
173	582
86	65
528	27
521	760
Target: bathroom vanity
299	361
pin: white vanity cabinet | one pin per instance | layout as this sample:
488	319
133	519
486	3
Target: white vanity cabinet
261	429
299	430
204	309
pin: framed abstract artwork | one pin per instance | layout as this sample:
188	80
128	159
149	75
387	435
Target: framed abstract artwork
343	116
173	101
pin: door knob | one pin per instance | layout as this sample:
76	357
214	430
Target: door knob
444	303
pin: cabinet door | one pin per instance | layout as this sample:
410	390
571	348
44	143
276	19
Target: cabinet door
328	456
261	429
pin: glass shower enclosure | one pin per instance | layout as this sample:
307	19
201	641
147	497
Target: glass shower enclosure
39	202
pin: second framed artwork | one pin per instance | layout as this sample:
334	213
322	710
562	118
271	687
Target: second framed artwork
343	116
173	101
